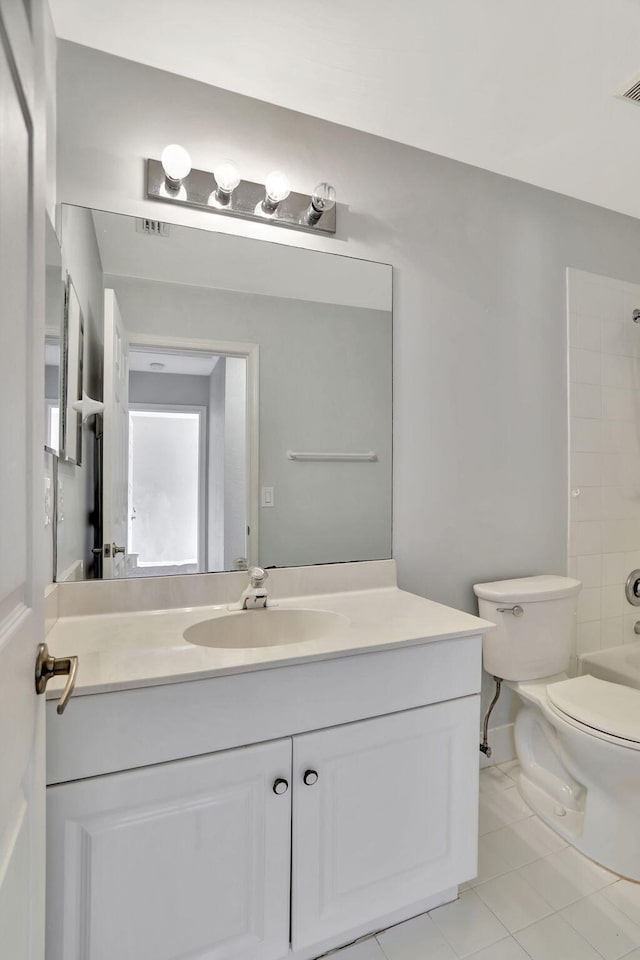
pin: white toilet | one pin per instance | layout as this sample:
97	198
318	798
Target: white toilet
577	740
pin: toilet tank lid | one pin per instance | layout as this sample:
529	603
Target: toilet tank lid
528	589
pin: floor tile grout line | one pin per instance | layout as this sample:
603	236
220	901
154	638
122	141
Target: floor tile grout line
554	912
593	946
513	935
621	909
557	913
525	881
507	932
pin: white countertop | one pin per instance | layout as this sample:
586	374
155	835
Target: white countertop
128	650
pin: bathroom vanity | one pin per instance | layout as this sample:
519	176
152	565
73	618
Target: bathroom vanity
261	783
263	801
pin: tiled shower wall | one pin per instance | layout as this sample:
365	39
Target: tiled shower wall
604	454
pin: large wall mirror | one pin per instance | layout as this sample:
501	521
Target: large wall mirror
247	403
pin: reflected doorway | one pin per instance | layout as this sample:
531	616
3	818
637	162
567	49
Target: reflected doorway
190	460
166	494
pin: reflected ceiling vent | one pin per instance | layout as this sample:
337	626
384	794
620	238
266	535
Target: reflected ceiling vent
152	228
633	92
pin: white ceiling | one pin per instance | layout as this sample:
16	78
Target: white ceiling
192	364
521	87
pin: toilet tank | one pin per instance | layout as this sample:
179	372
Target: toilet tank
536	639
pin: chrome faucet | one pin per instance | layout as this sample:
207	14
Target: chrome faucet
256	594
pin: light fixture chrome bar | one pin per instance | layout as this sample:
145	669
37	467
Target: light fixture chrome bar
359	457
198	190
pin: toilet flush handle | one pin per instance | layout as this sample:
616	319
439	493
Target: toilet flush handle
517	611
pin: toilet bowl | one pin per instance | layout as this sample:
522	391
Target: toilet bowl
577	740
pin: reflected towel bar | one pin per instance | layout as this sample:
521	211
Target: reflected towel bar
370	456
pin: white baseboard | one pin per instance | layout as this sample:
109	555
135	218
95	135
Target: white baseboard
502	746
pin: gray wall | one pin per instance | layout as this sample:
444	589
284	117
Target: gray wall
51	382
480	445
175	389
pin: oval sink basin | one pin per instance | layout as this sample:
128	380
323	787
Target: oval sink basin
264	628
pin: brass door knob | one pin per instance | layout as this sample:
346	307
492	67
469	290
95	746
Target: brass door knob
48	666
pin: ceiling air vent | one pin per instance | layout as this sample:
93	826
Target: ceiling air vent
633	93
152	228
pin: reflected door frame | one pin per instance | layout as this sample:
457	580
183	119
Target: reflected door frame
251	353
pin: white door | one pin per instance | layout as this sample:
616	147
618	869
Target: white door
177	861
377	811
22	224
115	441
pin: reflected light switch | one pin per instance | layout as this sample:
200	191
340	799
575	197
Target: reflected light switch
267	497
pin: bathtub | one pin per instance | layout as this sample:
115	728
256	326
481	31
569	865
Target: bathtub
617	664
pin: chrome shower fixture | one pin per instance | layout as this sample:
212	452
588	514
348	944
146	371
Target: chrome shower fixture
172	179
636	315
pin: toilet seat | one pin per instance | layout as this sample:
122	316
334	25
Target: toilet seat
606	710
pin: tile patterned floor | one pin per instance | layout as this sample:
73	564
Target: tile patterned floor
535	898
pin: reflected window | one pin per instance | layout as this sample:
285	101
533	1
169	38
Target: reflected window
52	423
166	458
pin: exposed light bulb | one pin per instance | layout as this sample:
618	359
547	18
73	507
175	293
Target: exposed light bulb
323	199
277	188
227	176
176	164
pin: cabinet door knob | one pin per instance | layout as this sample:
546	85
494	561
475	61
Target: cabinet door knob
280	786
310	777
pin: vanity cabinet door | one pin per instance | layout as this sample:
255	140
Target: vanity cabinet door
189	859
384	816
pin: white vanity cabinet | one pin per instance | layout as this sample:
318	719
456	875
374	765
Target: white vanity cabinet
193	858
180	860
380	827
167	840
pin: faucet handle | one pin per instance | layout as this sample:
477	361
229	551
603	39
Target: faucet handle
257	576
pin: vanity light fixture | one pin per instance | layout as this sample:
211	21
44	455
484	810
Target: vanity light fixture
172	179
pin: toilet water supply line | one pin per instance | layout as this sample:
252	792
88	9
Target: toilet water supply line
484	746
